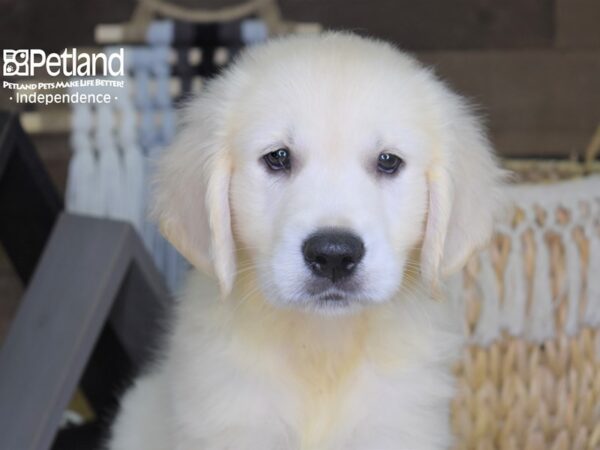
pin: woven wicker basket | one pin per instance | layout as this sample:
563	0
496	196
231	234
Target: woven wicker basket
530	376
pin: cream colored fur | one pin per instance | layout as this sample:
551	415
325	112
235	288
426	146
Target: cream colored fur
260	365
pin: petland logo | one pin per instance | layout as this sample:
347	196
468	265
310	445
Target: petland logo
24	62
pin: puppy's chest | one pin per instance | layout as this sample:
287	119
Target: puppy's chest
326	384
345	394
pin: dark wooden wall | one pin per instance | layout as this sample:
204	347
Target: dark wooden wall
533	66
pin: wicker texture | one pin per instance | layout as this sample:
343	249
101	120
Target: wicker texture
530	377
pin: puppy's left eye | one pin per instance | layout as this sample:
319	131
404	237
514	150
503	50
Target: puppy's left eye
278	160
389	163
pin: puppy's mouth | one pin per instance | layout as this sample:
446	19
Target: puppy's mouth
333	296
326	289
332	299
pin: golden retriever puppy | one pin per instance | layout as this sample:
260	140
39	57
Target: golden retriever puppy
328	183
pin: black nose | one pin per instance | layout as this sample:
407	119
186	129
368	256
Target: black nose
332	253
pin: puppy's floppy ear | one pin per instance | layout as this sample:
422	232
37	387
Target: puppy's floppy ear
465	193
191	193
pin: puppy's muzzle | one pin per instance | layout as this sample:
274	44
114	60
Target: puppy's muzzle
333	253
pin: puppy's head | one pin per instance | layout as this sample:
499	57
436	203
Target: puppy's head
331	166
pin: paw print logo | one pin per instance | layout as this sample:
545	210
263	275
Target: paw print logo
16	62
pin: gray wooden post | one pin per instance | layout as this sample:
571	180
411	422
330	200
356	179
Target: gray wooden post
91	271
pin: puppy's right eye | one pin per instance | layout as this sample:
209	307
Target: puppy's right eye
278	160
